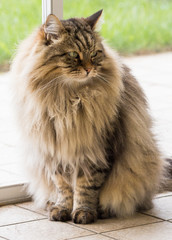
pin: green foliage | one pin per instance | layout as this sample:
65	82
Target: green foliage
130	26
18	19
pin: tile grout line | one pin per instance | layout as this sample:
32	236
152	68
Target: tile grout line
148	214
84	228
79	237
4	238
18	223
119	228
109	237
45	217
71	224
90	236
30	210
81	227
170	195
145	224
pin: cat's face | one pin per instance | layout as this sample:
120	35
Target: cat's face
73	48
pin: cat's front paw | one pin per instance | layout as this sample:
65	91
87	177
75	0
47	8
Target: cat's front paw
58	213
84	215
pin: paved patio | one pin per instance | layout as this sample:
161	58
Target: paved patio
23	221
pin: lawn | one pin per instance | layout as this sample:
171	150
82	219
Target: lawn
130	26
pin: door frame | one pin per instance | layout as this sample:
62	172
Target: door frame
52	6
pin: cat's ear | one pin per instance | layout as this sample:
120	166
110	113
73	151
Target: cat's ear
94	19
53	26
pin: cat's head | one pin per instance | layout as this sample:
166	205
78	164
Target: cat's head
73	48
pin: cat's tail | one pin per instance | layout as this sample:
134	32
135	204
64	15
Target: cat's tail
166	185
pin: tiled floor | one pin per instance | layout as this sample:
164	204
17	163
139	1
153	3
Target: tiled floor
23	221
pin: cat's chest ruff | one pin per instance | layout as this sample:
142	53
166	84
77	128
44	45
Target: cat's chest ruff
78	131
78	114
79	103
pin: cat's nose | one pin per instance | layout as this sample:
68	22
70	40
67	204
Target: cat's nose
88	70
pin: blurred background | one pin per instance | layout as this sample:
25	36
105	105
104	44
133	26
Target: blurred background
131	26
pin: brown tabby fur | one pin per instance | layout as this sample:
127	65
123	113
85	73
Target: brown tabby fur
89	150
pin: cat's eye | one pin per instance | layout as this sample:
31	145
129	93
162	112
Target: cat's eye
73	54
93	54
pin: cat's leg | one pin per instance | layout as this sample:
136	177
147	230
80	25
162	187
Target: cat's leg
62	208
86	194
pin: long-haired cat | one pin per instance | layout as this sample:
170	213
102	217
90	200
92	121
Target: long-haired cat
89	150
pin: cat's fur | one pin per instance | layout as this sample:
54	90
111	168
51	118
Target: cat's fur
85	124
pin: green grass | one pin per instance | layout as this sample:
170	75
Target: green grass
130	26
18	19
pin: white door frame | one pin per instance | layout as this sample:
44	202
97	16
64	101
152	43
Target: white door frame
52	6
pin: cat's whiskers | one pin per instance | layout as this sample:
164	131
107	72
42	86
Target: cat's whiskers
103	79
50	84
38	80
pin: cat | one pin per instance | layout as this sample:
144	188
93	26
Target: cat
85	123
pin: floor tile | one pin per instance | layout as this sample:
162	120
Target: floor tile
12	214
164	194
156	231
5	125
9	137
3	238
13	168
8	154
42	230
115	224
7	178
31	206
162	208
93	237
